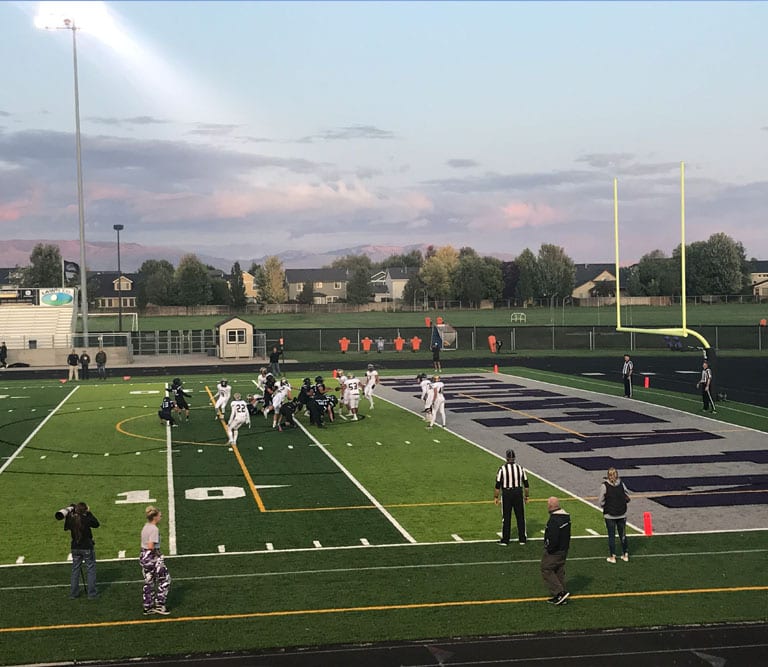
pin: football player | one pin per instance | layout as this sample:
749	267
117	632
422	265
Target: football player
238	416
223	392
353	394
436	401
371	380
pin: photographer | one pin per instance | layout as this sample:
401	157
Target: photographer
79	522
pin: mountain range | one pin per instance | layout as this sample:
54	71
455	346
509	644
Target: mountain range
103	256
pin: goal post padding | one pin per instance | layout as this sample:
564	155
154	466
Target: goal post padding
444	335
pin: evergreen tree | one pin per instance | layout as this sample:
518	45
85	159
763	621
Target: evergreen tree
237	287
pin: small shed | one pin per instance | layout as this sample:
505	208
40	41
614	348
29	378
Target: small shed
235	338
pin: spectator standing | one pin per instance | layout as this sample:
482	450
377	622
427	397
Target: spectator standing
274	362
436	356
79	522
613	499
85	361
157	581
73	361
626	373
512	492
557	540
3	355
101	364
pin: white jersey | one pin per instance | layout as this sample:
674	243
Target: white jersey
425	385
437	390
223	391
278	398
261	381
239	413
353	387
372	377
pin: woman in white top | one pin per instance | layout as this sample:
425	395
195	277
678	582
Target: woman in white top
157	581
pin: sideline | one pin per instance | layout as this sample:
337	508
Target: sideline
34	433
376	608
385	568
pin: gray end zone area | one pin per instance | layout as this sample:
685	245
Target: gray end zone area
693	473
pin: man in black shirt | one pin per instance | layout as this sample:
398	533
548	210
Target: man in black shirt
79	522
557	540
85	361
274	362
72	362
626	373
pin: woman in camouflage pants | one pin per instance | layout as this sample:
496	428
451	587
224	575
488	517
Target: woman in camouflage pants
157	581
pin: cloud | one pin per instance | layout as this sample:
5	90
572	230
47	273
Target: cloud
605	160
494	182
347	133
135	120
214	129
6	114
461	163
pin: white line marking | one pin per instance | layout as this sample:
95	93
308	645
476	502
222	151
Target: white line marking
364	542
456	537
407	442
592	532
44	456
437	441
261	448
290	446
354	481
34	433
270	546
199	451
171	492
317	544
69	558
106	453
121	554
138	453
222	549
374	568
595	374
377	442
349	444
19	560
499	533
74	456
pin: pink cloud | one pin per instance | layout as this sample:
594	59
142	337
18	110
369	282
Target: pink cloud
516	215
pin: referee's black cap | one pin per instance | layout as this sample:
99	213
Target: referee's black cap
510	455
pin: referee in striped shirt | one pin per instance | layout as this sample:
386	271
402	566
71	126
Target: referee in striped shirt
512	490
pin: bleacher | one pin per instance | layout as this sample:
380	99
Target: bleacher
24	326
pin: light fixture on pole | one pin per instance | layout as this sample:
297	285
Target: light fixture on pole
118	229
69	24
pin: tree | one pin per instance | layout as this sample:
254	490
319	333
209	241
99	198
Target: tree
359	287
193	282
716	266
411	259
658	275
237	287
437	271
44	268
493	279
477	278
155	284
527	268
272	281
352	263
510	275
220	292
415	291
307	294
555	272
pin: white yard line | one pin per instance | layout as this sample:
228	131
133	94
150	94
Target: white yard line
171	497
34	433
354	481
384	568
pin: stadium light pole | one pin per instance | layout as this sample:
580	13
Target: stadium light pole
118	229
69	24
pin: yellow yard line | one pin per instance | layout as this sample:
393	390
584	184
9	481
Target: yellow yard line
374	608
246	473
525	414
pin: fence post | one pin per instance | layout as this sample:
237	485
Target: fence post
717	338
553	336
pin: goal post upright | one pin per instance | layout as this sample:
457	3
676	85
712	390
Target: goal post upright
683	330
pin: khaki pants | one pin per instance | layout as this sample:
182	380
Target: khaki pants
74	373
553	571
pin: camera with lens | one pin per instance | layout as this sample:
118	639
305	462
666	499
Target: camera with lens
64	511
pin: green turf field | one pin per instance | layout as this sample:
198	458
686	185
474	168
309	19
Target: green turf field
375	530
697	315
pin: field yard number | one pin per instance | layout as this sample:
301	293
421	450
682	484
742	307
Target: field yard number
215	493
135	497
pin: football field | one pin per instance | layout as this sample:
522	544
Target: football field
362	531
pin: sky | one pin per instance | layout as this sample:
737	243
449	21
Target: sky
243	129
